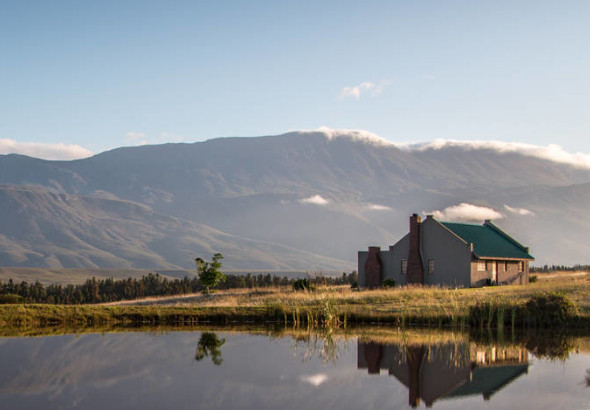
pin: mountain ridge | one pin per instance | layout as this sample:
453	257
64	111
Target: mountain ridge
329	196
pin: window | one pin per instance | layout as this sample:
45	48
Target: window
481	266
431	266
404	266
522	266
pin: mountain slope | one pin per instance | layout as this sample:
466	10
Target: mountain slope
40	228
325	194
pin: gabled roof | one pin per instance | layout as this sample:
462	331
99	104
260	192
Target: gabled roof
489	241
488	380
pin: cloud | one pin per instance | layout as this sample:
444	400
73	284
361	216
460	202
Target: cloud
366	87
354	135
429	77
376	207
355	91
315	200
42	150
465	212
519	211
315	380
550	152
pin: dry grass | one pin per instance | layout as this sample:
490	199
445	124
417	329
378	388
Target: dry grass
325	306
397	300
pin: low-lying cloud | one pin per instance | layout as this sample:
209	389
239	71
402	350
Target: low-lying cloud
519	211
43	150
315	200
465	212
354	135
552	152
377	207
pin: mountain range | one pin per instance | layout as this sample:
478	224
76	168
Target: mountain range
298	201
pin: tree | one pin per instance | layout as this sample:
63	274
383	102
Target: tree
210	345
209	272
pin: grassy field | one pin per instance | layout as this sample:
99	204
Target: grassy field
337	305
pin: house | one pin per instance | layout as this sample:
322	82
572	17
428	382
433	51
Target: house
450	370
447	254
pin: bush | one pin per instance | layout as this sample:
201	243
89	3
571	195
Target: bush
11	298
388	283
533	279
354	285
551	309
301	284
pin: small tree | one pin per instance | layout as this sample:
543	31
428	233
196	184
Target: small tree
209	272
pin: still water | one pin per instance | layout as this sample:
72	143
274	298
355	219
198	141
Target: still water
208	369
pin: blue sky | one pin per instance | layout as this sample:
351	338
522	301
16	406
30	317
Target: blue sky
102	74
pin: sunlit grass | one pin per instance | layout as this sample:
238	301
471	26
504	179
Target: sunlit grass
429	306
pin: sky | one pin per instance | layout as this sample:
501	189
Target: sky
81	77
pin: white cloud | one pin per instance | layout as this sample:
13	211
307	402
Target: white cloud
355	135
315	380
376	207
42	150
519	211
465	212
315	200
356	91
550	152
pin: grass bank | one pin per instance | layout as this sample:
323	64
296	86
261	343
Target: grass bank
504	306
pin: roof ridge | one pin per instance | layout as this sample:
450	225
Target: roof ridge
488	223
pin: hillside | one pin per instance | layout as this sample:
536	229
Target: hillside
302	192
44	229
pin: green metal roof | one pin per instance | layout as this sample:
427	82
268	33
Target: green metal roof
489	241
488	380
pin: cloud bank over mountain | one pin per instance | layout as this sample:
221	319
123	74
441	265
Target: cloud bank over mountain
317	197
41	150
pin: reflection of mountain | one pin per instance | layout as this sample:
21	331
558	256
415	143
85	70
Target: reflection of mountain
446	370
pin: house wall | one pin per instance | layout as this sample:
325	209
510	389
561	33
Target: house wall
362	259
451	255
392	268
513	275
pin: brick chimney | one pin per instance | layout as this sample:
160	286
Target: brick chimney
415	273
373	268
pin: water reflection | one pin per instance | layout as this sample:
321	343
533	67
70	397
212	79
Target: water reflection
445	370
210	345
291	369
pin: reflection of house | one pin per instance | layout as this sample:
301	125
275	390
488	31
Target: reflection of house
444	253
450	370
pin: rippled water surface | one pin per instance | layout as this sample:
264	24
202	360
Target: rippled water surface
297	370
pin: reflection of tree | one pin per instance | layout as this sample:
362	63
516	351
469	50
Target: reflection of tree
210	345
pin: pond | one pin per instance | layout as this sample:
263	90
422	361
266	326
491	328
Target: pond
289	369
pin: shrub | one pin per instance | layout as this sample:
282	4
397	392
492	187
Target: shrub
354	284
551	309
533	279
301	284
388	283
11	298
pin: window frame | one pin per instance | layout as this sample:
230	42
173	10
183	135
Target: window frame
404	266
